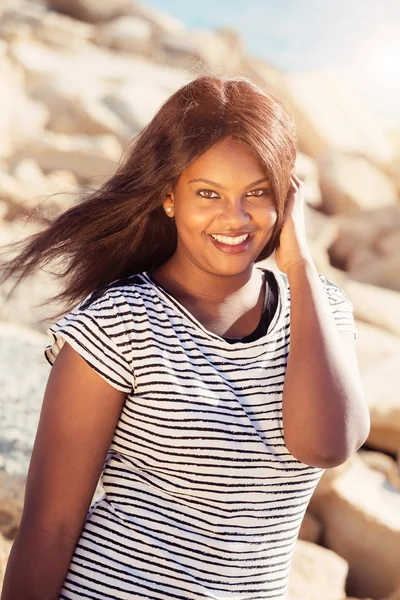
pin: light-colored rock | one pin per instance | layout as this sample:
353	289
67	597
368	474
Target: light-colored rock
78	111
55	192
368	301
360	513
378	354
20	117
91	11
351	184
384	464
383	271
317	573
12	193
136	103
363	236
329	117
160	20
94	72
311	529
306	170
129	34
5	547
61	31
203	49
12	489
85	156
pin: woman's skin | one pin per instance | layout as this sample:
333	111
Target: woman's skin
325	415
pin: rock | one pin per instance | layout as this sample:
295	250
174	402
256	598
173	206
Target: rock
316	574
61	31
368	301
78	111
378	461
55	192
91	11
378	353
86	157
306	170
20	117
12	490
311	529
203	49
160	21
129	34
5	547
135	104
383	271
12	193
360	513
351	184
329	118
366	231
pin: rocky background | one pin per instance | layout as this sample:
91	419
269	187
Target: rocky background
78	78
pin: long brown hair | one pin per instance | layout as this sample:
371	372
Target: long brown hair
121	228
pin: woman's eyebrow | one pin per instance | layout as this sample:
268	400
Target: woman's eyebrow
222	187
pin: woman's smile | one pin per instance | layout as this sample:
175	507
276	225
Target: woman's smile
231	243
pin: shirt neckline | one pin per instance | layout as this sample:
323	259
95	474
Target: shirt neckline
281	302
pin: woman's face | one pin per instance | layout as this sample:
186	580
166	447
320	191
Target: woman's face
222	223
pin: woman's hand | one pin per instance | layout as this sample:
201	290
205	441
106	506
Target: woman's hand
293	247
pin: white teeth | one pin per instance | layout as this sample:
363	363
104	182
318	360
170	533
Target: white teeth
232	241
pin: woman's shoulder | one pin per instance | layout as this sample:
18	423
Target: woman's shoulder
128	287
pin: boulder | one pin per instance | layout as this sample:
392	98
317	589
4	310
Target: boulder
360	513
64	32
366	231
306	170
20	117
316	573
91	11
351	184
311	529
49	194
136	103
330	118
75	110
379	461
378	353
85	156
129	34
5	547
12	490
159	20
374	305
203	49
384	271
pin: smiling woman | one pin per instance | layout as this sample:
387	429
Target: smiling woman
169	374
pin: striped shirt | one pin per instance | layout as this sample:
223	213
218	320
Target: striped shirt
202	498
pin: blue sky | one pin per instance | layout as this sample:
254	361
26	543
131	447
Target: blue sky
351	36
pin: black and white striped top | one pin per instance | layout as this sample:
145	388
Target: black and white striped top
202	498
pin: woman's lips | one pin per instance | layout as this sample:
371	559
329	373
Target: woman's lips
232	249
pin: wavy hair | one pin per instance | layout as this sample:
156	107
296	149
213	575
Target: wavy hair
121	228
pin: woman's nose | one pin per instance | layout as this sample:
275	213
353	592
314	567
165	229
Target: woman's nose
236	212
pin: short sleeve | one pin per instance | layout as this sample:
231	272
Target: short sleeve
95	329
341	306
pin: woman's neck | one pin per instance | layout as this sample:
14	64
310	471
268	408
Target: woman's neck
192	282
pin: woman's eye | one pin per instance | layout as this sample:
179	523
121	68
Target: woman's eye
207	192
263	191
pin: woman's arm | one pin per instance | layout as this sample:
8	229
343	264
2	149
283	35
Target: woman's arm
325	414
79	414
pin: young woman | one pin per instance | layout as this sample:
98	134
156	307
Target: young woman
209	393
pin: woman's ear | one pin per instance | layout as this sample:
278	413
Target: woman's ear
168	203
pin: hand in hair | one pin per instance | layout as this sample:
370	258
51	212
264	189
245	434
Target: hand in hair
293	247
